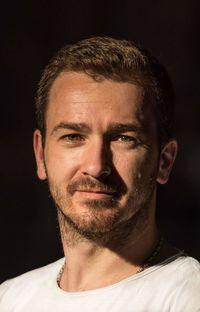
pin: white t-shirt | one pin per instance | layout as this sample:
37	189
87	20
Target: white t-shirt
172	286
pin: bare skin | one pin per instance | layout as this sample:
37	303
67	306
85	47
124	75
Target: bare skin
102	163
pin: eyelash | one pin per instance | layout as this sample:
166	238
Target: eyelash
123	139
126	137
72	137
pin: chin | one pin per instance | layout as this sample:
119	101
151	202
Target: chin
97	221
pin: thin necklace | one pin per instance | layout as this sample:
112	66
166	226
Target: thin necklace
60	274
147	262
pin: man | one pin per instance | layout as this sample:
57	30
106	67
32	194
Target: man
104	141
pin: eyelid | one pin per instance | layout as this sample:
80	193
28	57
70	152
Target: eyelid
132	141
128	136
126	140
72	135
78	138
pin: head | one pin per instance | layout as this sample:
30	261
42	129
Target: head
117	60
105	134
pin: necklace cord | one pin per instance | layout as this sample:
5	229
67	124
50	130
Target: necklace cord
147	263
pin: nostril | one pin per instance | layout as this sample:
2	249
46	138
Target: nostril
106	171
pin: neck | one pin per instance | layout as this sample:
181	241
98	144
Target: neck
87	269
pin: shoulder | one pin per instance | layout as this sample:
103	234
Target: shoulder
188	273
180	270
185	266
27	282
173	285
184	274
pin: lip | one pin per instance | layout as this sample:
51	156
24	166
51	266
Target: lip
94	194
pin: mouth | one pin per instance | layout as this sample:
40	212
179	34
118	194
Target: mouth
95	194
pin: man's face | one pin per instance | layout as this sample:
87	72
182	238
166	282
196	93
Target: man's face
100	155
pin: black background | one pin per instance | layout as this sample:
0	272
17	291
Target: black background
31	32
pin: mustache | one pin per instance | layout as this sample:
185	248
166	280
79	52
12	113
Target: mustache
88	184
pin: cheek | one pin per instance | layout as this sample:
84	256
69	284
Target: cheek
138	167
61	164
148	169
129	165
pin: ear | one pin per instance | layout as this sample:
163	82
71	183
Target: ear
167	158
39	154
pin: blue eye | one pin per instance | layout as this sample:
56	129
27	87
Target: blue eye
72	137
125	138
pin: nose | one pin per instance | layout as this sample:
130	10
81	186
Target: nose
97	160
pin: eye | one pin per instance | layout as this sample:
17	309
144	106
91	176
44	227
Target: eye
127	139
72	138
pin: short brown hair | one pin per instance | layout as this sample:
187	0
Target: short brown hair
119	60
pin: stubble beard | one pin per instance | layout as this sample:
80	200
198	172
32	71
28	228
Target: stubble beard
104	221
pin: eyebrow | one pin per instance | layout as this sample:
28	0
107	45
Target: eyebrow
71	126
118	127
113	128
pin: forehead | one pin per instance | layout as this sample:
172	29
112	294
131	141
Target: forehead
76	97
